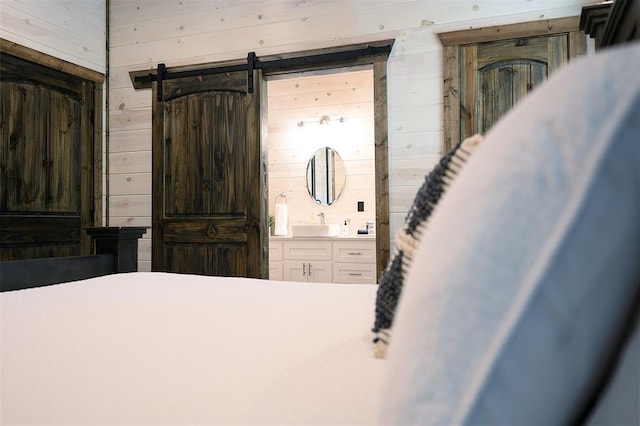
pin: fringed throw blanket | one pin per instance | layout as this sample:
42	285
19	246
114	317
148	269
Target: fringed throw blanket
408	237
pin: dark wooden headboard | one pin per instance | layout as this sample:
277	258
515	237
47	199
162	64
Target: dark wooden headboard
115	248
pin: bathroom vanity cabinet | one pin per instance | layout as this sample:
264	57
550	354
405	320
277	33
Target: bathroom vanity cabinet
338	260
306	260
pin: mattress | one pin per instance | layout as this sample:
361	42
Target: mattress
159	348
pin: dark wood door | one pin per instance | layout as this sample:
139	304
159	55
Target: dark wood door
489	70
209	196
46	157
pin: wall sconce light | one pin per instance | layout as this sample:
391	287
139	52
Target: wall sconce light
325	119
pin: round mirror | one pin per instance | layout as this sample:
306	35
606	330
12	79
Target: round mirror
326	176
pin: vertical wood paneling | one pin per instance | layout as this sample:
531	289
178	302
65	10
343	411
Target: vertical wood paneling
381	166
451	100
99	156
157	201
43	153
558	52
64	150
22	186
207	260
501	86
468	89
211	182
577	44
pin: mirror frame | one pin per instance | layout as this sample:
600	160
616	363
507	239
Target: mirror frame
326	176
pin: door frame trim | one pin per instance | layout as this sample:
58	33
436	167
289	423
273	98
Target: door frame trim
49	61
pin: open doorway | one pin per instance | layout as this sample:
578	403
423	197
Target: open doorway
318	112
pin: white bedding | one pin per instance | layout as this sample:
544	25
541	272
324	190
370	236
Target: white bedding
146	348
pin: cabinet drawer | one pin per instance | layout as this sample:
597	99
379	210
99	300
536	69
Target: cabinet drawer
275	251
356	273
307	250
354	251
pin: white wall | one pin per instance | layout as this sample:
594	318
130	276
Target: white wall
73	30
144	33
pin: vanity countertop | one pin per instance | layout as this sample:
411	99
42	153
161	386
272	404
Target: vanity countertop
340	237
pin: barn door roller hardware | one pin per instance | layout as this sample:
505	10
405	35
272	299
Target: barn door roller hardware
251	64
143	79
162	72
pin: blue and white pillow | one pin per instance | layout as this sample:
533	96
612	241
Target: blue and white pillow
531	262
408	238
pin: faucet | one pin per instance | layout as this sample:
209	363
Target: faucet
321	217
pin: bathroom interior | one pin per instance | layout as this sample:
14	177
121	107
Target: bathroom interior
321	176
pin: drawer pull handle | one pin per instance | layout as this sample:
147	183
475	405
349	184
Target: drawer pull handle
351	253
355	275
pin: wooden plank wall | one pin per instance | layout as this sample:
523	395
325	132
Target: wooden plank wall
144	33
69	30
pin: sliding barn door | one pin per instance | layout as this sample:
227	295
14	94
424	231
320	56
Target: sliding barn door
209	196
46	161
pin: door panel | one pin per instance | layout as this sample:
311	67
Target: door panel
215	163
23	149
207	259
317	271
209	211
64	149
42	151
502	85
496	75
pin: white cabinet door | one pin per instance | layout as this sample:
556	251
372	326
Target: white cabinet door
307	271
294	270
319	272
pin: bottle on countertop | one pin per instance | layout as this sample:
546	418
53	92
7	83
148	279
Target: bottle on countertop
345	228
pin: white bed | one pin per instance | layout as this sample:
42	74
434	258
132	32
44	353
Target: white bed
522	305
157	348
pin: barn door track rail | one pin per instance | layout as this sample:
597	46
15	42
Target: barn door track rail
312	60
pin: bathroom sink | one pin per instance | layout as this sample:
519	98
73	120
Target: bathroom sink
315	230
